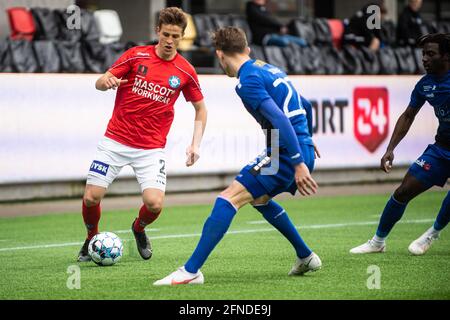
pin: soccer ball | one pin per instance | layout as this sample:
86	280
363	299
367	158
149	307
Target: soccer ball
105	249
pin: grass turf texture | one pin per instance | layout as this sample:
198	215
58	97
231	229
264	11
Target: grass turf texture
248	265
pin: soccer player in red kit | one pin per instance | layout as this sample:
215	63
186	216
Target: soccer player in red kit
148	80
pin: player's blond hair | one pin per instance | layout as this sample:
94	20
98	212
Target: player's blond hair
173	16
230	40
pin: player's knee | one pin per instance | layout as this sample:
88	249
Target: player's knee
154	204
402	194
91	200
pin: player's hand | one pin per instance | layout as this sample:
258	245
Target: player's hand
386	161
114	83
305	183
316	152
192	155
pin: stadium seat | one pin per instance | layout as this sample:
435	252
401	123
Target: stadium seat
256	52
314	63
405	60
388	61
46	24
21	23
71	56
47	56
204	26
5	57
304	29
337	32
66	34
190	33
94	56
220	21
109	25
352	60
322	32
333	61
295	61
369	60
241	22
22	56
274	55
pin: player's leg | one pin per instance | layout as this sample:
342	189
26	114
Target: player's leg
151	209
91	212
278	217
101	174
392	213
431	168
150	169
215	227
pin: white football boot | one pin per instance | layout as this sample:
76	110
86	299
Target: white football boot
369	247
181	276
421	245
310	263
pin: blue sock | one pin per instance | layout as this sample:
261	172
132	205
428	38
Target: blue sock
444	214
392	213
277	217
214	229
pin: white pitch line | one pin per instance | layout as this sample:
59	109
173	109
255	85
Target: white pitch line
191	235
258	222
129	230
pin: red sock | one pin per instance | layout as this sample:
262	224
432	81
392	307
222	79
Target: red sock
91	217
145	218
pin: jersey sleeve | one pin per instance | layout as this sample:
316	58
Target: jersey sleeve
417	99
192	91
252	91
123	65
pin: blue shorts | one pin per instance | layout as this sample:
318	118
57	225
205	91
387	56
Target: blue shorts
258	183
432	167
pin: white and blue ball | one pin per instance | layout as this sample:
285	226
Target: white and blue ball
105	249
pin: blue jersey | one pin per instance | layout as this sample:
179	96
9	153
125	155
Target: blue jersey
437	92
259	81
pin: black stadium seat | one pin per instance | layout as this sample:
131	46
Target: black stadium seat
46	23
256	52
304	29
294	59
388	61
22	56
274	55
241	22
333	61
47	56
352	60
406	61
71	56
205	27
5	57
314	63
322	32
370	61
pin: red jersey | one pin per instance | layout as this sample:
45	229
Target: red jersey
143	111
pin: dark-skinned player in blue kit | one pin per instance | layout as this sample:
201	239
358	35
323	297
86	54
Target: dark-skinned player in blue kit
272	100
432	168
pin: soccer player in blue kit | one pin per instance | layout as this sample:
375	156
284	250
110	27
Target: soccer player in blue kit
271	99
433	166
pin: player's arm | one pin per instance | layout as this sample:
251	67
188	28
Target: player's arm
108	81
401	129
269	109
193	151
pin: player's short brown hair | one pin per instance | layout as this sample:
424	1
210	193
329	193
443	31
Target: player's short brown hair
230	40
174	16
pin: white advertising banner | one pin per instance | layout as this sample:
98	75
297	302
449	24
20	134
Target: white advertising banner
50	124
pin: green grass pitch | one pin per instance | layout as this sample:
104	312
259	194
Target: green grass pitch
251	262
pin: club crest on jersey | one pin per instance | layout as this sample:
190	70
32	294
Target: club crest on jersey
99	167
142	70
174	82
